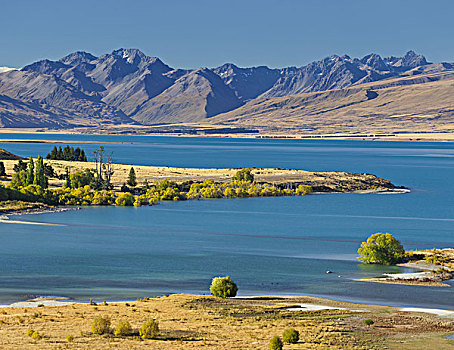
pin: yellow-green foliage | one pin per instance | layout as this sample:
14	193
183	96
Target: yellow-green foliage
381	248
70	338
291	336
223	287
125	199
158	191
100	325
123	328
30	332
35	335
276	343
150	329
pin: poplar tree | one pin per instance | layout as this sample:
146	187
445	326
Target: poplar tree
30	172
40	178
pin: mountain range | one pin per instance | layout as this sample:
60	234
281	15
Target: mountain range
127	87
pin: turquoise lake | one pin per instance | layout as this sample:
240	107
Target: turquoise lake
267	245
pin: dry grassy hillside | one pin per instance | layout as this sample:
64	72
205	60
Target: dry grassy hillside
409	104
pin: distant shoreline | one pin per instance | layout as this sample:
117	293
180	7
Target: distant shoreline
366	136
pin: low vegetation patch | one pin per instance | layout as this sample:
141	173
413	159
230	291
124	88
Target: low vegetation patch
100	325
150	329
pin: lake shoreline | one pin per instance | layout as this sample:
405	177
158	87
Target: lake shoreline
365	136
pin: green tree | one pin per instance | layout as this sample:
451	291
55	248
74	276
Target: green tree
2	169
132	181
40	179
68	177
77	153
19	166
276	343
81	178
223	287
381	248
19	179
67	153
244	175
59	154
82	156
30	172
54	153
49	171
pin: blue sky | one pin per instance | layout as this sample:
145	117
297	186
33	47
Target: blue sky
207	33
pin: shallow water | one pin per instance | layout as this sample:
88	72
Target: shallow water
268	245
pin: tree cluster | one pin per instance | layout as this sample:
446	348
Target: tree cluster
67	153
25	175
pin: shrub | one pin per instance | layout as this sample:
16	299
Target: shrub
70	338
290	336
244	175
368	322
100	325
123	328
125	199
150	329
381	248
36	335
223	287
30	332
276	343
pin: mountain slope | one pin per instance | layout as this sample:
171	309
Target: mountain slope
192	98
410	103
46	95
126	87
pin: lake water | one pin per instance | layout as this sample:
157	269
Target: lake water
267	245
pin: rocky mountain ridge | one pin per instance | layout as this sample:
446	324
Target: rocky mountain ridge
128	87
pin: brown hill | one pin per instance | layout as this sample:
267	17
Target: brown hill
412	103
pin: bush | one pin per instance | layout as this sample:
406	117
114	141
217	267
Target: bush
223	287
381	248
125	199
368	322
123	328
70	338
150	329
81	178
30	332
290	336
244	175
100	325
276	343
36	335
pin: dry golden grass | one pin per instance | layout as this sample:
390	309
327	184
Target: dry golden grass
202	322
325	181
